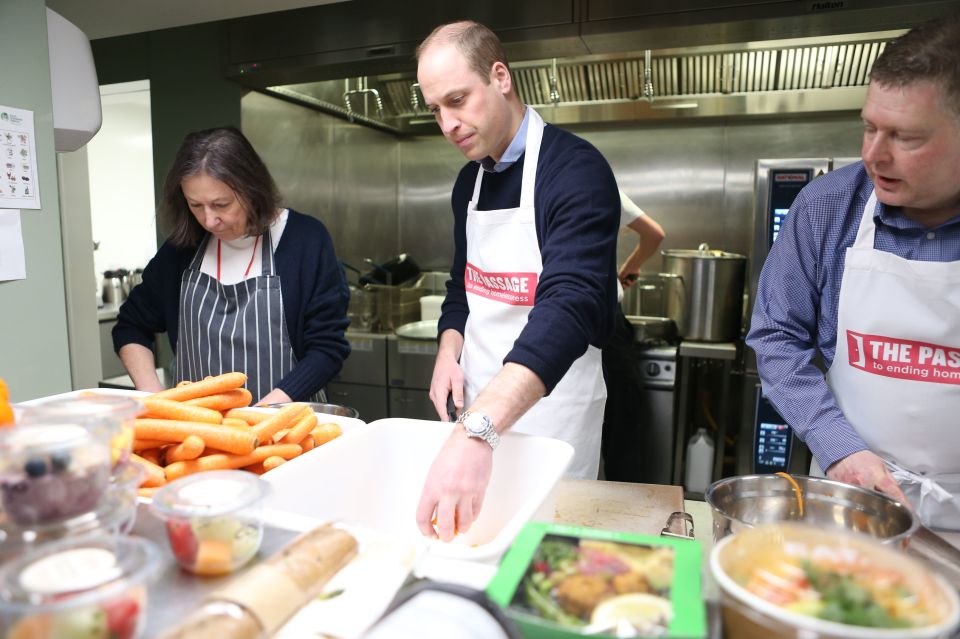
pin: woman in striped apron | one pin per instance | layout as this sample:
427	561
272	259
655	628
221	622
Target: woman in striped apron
241	284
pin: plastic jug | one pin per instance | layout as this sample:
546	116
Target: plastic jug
699	470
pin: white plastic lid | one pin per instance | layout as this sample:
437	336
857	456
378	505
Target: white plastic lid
86	408
43	437
209	494
76	572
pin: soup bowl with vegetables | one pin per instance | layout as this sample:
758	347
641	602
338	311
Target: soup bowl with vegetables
794	581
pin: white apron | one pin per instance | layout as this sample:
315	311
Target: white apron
502	271
896	372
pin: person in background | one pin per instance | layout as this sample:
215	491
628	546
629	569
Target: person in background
866	271
533	284
623	433
241	284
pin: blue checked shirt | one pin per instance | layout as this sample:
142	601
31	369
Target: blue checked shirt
795	314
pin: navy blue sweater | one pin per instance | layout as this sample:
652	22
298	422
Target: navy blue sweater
577	219
315	298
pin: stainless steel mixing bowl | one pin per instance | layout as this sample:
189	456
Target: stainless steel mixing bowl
327	409
745	501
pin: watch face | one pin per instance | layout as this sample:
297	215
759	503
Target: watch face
475	424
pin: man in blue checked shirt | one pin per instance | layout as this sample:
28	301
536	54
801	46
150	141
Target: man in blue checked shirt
866	271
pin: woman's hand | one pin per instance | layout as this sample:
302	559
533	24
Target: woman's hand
276	396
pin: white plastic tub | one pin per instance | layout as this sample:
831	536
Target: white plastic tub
375	479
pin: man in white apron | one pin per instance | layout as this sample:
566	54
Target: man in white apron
532	289
869	264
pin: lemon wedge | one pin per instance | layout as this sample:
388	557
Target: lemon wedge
640	610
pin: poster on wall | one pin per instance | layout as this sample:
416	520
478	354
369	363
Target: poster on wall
18	160
12	263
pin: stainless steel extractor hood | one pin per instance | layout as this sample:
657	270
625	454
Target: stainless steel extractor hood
584	60
807	75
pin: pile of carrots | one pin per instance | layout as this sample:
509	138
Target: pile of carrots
202	425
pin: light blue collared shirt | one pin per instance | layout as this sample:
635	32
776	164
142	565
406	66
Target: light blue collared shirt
516	148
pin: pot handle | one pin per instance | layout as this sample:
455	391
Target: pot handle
679	525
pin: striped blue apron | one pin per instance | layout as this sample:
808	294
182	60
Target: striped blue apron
234	327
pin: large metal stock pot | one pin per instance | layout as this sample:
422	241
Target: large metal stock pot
705	292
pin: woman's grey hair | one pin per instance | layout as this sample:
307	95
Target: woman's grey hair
225	154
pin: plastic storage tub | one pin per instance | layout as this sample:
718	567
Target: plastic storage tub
375	479
77	588
212	519
51	472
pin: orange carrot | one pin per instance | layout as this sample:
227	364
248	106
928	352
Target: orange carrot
154	474
235	422
190	448
236	398
211	386
233	440
153	455
145	491
185	382
279	435
272	462
169	409
326	432
252	417
301	429
147	444
308	443
256	469
227	461
283	418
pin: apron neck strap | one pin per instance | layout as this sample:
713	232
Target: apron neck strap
266	254
868	228
531	155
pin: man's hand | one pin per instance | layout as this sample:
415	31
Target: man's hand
866	469
447	374
455	486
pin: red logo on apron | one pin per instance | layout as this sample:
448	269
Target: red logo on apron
904	359
516	289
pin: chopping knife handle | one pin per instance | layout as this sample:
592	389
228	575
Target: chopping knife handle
451	408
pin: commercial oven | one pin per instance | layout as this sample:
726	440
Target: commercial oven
769	443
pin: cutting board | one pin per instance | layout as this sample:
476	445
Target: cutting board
626	507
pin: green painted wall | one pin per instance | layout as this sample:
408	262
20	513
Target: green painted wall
187	88
34	358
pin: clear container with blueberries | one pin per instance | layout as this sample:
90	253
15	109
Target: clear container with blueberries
213	519
51	472
93	586
107	415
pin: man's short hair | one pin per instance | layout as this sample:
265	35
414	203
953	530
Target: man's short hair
929	52
478	44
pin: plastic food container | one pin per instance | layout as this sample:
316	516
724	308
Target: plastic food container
108	415
89	587
859	581
212	519
51	472
124	482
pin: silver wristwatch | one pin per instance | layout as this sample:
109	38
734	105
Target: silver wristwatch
479	425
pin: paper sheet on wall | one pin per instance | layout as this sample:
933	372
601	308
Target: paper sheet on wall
12	263
19	188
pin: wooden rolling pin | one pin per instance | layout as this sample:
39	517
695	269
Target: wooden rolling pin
258	603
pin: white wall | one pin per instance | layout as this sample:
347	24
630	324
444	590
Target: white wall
120	161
